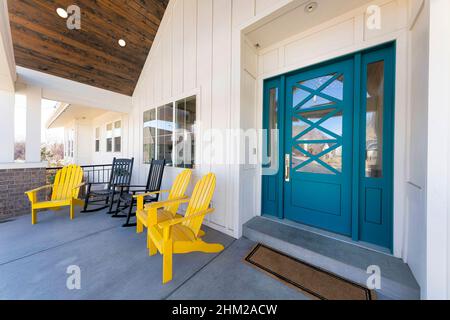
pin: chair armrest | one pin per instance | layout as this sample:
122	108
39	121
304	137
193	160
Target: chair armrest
140	198
79	186
134	189
152	208
96	183
32	194
138	191
169	223
162	204
151	193
39	189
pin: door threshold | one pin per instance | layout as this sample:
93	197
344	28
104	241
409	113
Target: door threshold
331	235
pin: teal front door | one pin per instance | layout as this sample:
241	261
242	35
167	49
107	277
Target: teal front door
335	124
318	147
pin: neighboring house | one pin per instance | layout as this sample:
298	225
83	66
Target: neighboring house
91	135
379	90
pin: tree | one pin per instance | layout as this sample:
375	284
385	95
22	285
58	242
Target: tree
53	153
19	151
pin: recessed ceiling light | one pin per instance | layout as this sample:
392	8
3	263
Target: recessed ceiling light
122	43
310	7
62	13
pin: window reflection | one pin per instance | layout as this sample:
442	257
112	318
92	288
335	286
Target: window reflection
149	135
272	145
300	98
374	120
185	132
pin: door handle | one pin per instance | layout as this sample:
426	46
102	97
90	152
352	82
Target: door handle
287	168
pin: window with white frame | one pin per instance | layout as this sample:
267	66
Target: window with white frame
114	136
169	133
117	136
149	135
69	150
97	139
109	137
185	117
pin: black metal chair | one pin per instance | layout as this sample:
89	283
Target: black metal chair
126	200
121	172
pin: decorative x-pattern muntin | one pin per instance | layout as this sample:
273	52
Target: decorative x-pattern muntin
322	95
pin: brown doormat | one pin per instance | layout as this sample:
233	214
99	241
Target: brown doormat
315	282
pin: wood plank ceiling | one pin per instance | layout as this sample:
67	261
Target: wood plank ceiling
92	54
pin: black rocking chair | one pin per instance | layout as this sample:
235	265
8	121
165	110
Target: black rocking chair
121	172
126	200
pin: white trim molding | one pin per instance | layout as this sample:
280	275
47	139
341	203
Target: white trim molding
23	165
68	91
7	62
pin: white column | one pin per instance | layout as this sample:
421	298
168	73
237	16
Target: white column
6	126
438	171
33	122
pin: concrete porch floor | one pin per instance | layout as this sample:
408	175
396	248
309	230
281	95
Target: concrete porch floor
115	265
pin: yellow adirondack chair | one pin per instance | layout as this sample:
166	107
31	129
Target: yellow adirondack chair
65	190
181	234
169	210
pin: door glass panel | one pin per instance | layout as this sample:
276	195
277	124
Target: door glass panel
316	148
315	115
298	158
374	120
305	100
273	123
336	88
316	102
315	135
315	167
334	159
334	124
298	126
298	96
315	98
316	83
317	132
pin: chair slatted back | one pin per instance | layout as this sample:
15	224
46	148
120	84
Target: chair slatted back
178	189
66	180
200	201
155	175
121	172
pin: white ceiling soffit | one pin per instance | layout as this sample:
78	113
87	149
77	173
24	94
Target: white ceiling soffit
71	92
293	19
66	113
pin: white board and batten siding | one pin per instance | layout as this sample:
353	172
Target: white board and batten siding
193	54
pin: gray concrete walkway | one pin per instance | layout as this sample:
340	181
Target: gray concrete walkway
115	265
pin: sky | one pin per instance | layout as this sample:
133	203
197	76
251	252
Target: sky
48	107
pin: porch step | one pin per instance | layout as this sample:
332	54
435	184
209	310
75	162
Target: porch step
345	259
